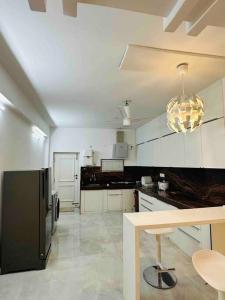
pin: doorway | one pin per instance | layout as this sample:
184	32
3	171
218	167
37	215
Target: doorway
67	180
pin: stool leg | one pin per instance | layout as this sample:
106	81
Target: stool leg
158	253
158	276
221	295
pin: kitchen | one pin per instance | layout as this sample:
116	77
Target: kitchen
112	149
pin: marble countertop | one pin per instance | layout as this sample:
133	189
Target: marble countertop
178	199
107	187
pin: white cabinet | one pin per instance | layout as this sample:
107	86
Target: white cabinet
213	144
99	201
142	155
201	148
213	101
164	129
149	203
92	201
128	200
193	149
114	200
145	154
148	131
189	239
171	152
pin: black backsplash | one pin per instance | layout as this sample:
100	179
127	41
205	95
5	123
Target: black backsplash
202	184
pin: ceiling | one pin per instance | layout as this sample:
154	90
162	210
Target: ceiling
73	63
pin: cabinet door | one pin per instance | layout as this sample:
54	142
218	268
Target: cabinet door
172	151
92	201
140	155
213	101
193	149
213	144
115	200
164	129
128	200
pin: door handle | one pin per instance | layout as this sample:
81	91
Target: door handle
76	176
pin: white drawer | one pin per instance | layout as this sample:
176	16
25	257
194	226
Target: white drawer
185	242
160	205
193	232
148	201
153	203
144	206
114	192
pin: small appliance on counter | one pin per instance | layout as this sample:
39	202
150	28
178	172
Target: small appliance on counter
146	181
163	185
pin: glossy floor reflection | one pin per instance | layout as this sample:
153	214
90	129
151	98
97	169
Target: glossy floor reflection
86	263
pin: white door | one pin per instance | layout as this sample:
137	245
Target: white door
66	177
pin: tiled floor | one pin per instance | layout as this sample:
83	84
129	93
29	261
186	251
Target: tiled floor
86	264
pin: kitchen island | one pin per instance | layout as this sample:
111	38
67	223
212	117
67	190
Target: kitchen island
134	223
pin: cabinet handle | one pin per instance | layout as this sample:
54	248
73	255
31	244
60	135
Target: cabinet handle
147	201
146	207
196	228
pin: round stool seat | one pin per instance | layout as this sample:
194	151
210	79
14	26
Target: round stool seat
210	265
160	231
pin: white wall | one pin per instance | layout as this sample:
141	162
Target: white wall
19	148
79	139
13	92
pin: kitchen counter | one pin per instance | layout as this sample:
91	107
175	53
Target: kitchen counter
178	199
134	223
107	186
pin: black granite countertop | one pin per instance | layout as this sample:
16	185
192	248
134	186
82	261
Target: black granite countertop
178	199
108	186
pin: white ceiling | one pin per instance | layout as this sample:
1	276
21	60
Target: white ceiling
73	63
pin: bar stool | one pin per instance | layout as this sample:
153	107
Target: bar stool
158	276
210	265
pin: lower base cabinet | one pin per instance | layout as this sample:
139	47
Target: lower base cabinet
92	201
188	239
97	201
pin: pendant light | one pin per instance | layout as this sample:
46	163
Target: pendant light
184	112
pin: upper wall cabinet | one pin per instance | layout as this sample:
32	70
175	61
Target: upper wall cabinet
172	151
149	131
213	101
145	154
193	149
141	155
213	144
164	129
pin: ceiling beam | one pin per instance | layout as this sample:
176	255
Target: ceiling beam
177	15
38	5
195	27
70	8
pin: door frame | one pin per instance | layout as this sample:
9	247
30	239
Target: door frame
77	182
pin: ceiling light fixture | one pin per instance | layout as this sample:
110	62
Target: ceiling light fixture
184	112
126	122
4	102
2	107
38	132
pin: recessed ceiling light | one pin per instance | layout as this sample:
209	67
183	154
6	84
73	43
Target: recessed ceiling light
38	132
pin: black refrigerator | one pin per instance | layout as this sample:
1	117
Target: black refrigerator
26	218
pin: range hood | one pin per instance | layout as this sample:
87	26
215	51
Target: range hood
120	149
